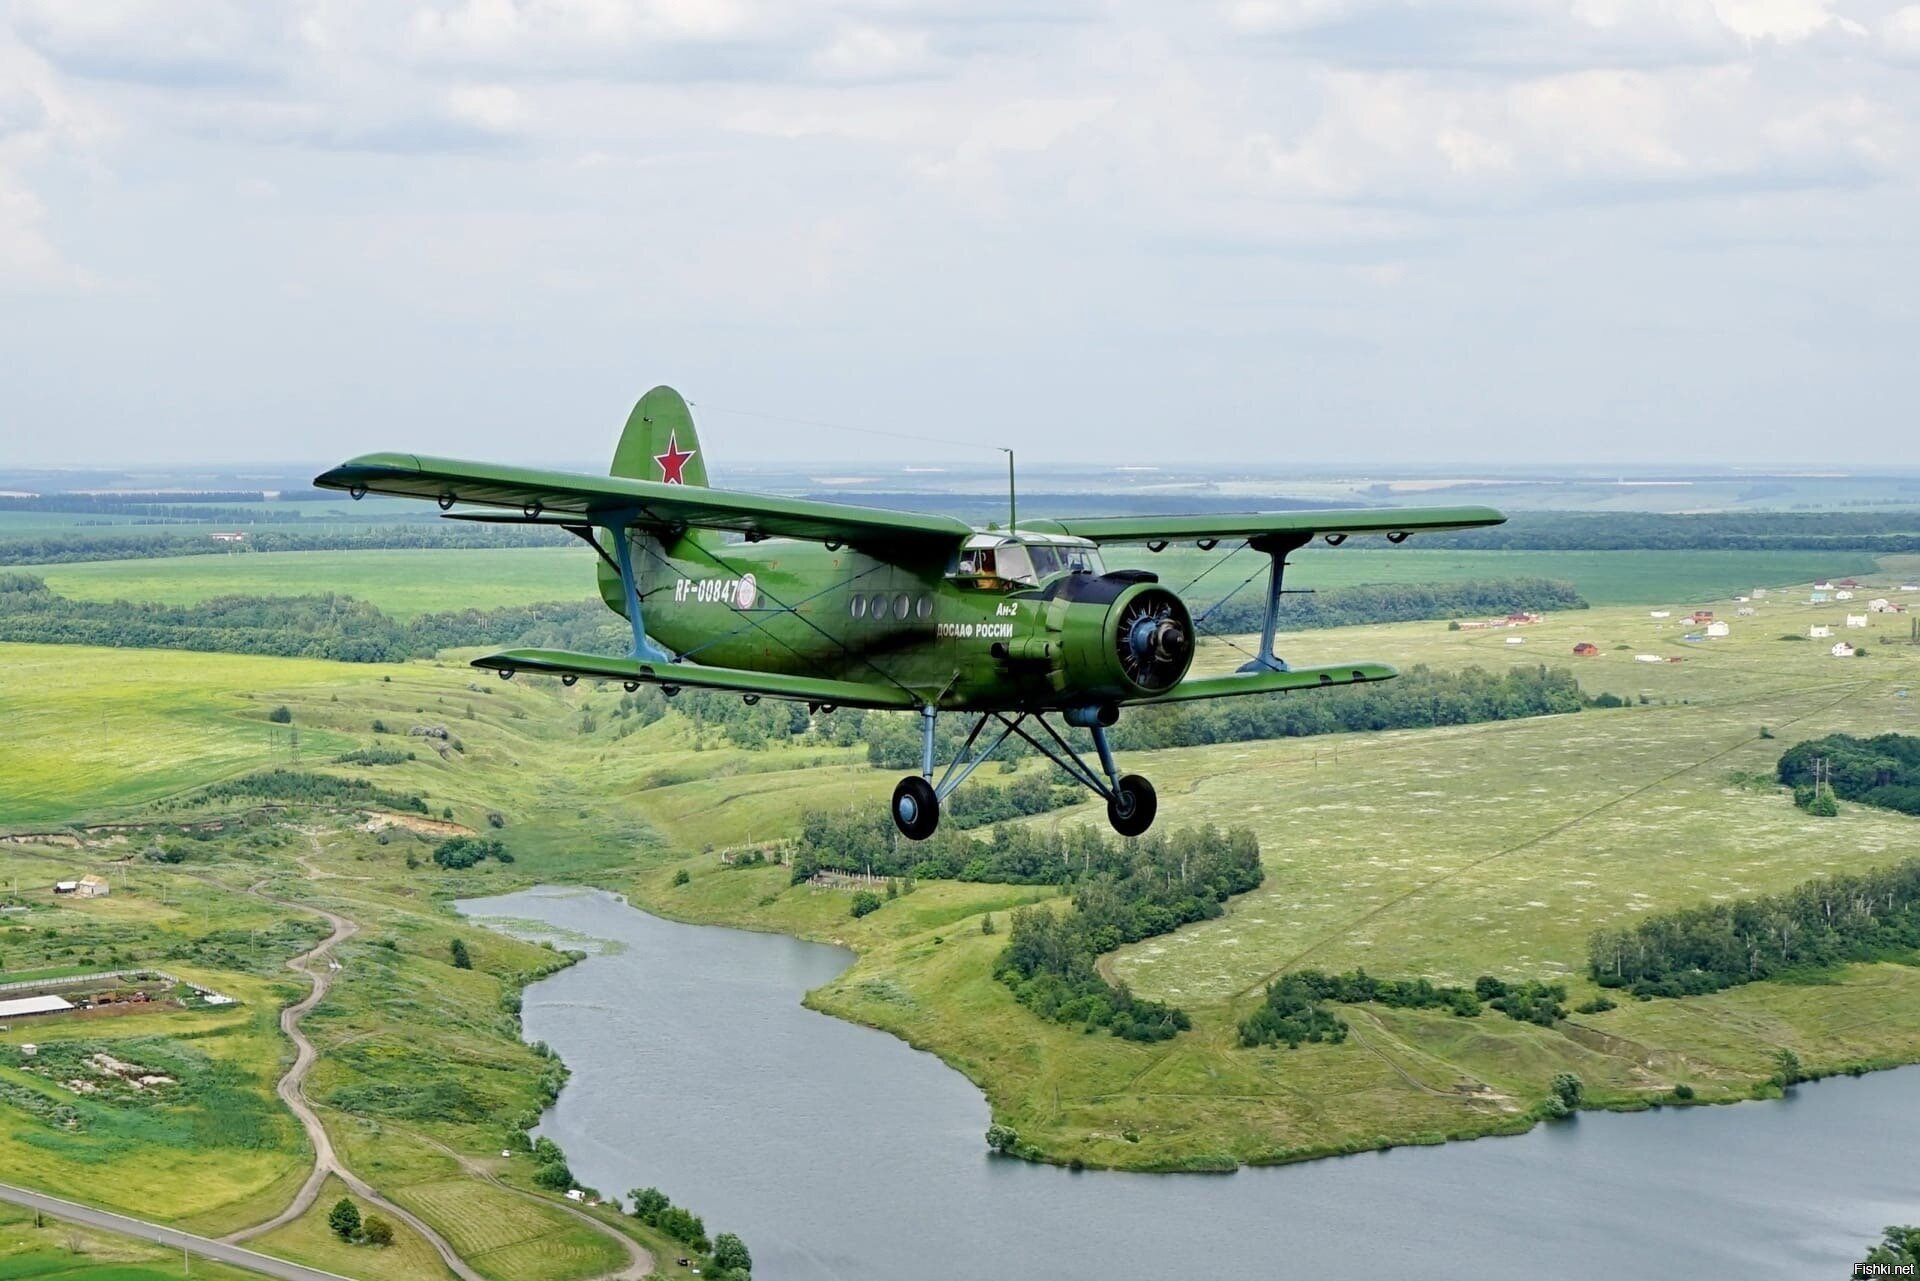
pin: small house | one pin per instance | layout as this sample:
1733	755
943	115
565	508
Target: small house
1880	605
1703	616
1843	650
1856	620
1818	632
1661	613
1719	629
1843	595
1587	649
1647	658
1823	586
1848	582
1745	611
1910	587
1818	598
92	886
234	537
1516	640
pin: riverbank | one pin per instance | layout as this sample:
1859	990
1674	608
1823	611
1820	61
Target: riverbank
695	1066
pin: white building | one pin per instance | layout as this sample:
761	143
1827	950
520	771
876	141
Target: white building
1648	658
1759	593
1843	595
1661	613
1817	632
1719	629
1516	640
1843	650
1745	611
1910	587
1856	620
1880	605
20	1005
92	886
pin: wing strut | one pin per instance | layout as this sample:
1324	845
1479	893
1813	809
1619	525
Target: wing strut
1277	547
645	649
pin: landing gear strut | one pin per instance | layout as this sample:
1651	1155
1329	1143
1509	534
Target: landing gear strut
1131	803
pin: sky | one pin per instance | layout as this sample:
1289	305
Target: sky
1263	230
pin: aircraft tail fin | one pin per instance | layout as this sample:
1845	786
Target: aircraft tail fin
660	443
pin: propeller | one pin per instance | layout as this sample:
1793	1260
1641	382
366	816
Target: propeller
1154	640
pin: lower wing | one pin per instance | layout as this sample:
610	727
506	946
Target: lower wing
1270	682
807	689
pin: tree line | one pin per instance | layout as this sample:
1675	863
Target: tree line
1883	771
1294	1009
864	840
1834	919
1888	531
328	626
302	787
49	549
1130	891
1387	603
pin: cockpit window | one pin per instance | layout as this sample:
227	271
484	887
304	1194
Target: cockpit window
1015	563
1083	560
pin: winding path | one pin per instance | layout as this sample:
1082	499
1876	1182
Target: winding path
292	1089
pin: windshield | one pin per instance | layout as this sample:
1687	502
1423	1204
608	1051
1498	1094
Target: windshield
1029	563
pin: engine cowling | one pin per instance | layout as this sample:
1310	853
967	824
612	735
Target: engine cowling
1120	636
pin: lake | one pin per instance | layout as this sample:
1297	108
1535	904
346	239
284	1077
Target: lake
839	1152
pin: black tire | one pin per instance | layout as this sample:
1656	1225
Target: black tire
916	810
1132	806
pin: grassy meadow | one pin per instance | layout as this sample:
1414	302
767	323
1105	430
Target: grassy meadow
59	1250
402	582
1442	853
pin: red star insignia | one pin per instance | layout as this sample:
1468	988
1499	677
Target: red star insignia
673	462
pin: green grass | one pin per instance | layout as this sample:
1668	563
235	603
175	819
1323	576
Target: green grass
403	582
60	1250
1443	853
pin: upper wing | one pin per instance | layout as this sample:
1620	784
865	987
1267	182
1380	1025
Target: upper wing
1270	682
533	491
1300	524
810	689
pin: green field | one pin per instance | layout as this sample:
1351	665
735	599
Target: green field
406	583
403	582
1441	854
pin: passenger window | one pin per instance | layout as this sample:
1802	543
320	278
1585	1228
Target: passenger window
858	605
923	608
902	605
879	607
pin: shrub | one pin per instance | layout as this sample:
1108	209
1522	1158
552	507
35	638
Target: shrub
1002	1138
344	1219
864	902
1568	1088
681	878
730	1252
1683	1091
554	1176
457	949
377	1231
280	715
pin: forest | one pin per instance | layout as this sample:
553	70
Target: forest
1833	919
301	787
1883	771
1123	892
1879	532
50	549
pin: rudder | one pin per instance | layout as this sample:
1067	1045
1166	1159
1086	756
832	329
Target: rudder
659	442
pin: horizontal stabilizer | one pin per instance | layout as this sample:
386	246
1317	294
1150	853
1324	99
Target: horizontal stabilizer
804	689
1272	682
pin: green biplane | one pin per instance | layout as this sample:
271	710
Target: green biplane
837	605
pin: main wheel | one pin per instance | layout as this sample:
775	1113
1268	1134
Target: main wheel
1132	806
916	810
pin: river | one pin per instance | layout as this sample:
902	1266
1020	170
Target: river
841	1153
